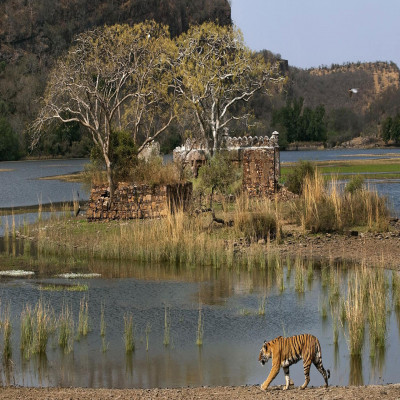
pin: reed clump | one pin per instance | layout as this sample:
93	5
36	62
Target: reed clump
328	209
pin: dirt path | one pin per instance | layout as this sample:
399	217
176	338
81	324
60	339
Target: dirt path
220	393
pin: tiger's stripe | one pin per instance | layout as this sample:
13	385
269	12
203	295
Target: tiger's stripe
288	351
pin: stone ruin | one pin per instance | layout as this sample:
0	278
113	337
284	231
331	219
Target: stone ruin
259	156
138	201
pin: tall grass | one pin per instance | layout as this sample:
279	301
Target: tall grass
325	209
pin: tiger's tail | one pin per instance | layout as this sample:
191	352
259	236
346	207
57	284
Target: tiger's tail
318	363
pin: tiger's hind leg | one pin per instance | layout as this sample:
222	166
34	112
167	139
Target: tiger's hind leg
325	373
306	366
287	378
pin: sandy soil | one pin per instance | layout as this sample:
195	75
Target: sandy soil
208	393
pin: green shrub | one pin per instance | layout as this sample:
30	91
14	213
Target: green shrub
295	178
354	184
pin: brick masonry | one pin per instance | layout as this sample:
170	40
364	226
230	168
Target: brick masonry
133	201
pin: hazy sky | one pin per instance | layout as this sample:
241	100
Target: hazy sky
310	33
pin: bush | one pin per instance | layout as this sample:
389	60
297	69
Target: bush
256	225
354	184
295	178
219	175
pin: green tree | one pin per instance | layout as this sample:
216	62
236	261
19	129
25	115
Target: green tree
387	129
114	78
218	174
9	143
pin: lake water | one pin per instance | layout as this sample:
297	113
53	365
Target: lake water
233	329
21	186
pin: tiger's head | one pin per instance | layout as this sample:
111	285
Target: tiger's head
265	353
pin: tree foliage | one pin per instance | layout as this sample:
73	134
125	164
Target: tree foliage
114	78
9	143
216	71
298	123
391	129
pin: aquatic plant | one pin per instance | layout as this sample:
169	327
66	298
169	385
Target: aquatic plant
26	335
200	328
83	319
354	306
102	320
147	332
261	304
7	329
66	329
167	326
41	327
299	276
129	337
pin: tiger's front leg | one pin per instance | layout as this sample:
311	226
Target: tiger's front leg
273	373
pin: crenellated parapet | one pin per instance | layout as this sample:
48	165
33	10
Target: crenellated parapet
228	143
252	141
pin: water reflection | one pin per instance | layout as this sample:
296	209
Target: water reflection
240	309
356	371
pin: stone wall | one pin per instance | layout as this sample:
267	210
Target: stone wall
261	170
133	201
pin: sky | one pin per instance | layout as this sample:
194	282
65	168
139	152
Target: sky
311	33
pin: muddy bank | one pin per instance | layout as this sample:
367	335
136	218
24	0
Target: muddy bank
208	393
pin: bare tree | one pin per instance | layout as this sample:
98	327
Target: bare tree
113	78
216	71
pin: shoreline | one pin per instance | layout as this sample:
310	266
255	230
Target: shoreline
390	391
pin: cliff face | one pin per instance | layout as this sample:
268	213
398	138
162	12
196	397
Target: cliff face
33	33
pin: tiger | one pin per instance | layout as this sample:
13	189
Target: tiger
288	351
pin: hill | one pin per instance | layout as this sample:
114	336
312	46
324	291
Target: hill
321	96
33	33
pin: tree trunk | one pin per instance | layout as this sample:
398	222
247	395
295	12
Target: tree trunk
110	179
